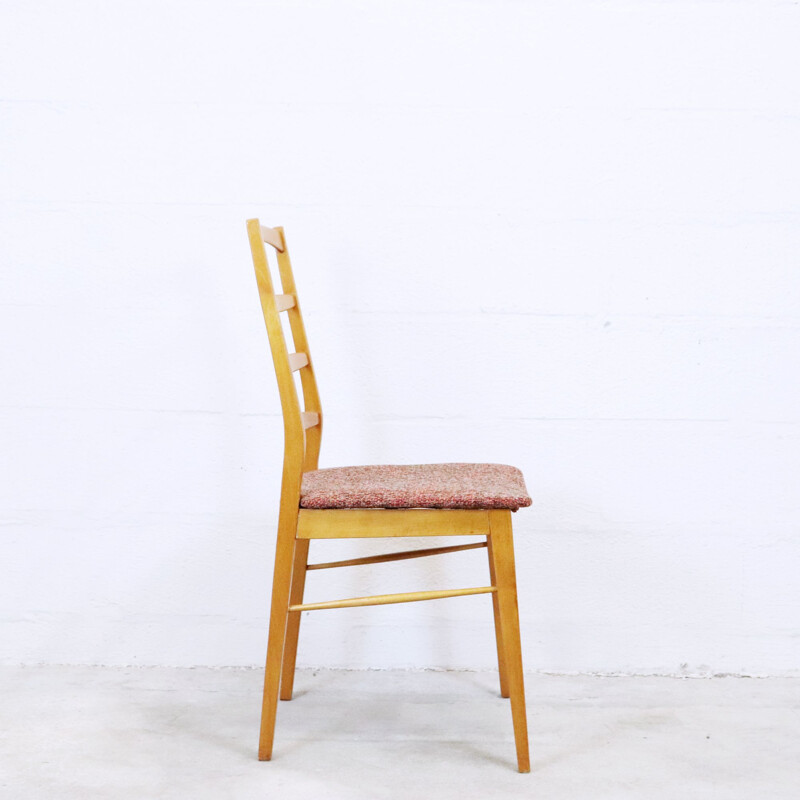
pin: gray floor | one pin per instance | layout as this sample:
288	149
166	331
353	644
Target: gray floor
89	732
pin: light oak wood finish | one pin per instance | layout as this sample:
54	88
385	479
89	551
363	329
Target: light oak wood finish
502	554
498	629
387	599
302	424
297	361
272	236
309	419
300	455
283	302
373	523
299	568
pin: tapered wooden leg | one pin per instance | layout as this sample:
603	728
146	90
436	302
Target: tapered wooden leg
498	628
502	554
281	581
293	623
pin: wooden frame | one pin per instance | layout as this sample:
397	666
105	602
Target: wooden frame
297	527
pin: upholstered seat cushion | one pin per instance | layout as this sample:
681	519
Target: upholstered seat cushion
415	486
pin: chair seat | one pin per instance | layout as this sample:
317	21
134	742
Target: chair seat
415	486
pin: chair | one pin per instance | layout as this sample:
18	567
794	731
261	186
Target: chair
372	502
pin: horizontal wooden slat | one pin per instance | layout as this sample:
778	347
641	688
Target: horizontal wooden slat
271	236
386	599
367	523
379	559
309	419
297	361
283	302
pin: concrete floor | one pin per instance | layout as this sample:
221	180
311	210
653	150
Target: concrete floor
91	732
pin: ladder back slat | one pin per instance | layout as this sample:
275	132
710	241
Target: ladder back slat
297	361
273	237
283	302
309	419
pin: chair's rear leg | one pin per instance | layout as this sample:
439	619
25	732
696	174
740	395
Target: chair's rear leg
293	623
281	582
502	553
498	629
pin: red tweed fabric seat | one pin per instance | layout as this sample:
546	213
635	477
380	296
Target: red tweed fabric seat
415	486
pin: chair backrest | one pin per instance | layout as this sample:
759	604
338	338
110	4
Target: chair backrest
302	425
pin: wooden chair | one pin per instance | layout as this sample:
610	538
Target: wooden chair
372	502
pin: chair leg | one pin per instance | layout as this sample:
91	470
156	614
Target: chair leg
498	630
281	584
293	623
502	554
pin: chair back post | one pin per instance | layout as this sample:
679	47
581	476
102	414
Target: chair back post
301	447
308	380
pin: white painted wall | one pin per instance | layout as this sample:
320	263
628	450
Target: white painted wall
562	235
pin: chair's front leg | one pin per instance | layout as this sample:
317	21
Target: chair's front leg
502	554
498	626
293	623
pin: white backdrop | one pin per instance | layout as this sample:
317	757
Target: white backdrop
562	235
